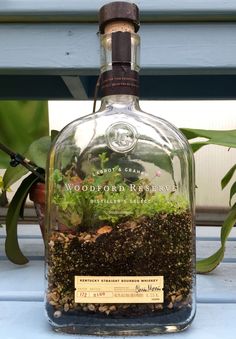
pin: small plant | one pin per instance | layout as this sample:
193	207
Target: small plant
37	154
107	198
106	222
226	139
22	124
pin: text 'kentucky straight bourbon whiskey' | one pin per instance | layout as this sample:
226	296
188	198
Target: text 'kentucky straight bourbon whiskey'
120	247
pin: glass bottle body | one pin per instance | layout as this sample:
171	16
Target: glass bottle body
120	224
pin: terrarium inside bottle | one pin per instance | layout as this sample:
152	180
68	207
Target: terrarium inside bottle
120	207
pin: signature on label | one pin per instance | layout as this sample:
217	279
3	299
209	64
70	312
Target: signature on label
149	288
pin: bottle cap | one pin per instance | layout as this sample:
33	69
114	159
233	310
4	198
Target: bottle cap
118	11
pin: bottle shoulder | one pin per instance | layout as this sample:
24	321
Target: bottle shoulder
122	121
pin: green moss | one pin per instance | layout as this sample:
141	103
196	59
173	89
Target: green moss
168	203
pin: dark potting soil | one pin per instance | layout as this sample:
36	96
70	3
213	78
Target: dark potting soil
157	246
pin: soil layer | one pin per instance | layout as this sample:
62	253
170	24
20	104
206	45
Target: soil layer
151	246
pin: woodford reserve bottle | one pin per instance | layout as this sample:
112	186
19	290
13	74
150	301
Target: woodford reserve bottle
120	207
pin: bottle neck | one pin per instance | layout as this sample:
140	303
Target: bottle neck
120	65
120	101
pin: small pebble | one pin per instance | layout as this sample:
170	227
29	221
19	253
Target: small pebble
87	237
91	307
57	314
51	243
130	225
103	308
179	298
170	306
104	229
112	308
66	307
55	296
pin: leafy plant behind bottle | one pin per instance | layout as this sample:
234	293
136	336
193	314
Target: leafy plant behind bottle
24	128
21	123
227	139
38	151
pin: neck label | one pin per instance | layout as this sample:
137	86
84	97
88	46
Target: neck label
120	80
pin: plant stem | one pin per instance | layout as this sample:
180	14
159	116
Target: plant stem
17	159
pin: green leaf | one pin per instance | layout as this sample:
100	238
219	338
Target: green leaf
22	122
12	248
22	208
38	151
232	192
197	145
189	133
228	225
13	174
161	159
54	134
223	138
210	263
3	199
228	177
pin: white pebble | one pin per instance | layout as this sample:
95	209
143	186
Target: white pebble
57	314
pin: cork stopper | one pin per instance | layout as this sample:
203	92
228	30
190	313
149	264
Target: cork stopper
119	16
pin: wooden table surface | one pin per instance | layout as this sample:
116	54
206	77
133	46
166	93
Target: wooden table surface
21	291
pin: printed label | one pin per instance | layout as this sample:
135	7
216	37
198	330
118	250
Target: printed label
92	289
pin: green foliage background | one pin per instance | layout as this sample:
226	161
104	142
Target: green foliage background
225	138
21	122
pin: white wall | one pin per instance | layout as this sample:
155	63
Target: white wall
212	162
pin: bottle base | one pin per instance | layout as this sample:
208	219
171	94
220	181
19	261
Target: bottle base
129	327
120	332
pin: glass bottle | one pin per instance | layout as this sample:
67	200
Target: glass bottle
120	254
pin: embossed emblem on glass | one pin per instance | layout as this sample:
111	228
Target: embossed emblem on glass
121	137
